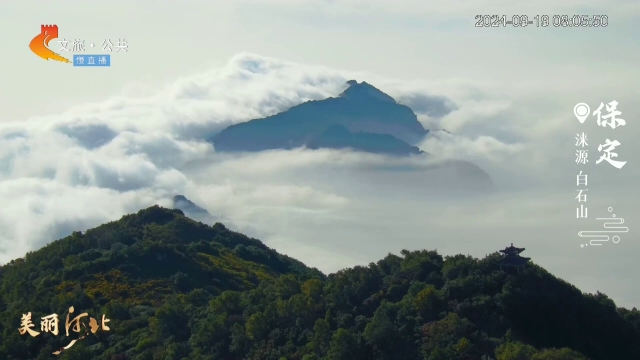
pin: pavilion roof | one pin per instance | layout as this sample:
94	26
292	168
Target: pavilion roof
512	249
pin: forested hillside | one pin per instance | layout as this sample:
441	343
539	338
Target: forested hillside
177	289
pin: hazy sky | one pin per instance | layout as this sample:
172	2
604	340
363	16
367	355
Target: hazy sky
82	146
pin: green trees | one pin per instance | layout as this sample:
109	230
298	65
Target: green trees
177	289
345	345
520	351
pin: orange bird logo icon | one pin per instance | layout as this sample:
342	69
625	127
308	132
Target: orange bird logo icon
39	44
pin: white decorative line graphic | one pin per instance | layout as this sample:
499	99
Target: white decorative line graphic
599	236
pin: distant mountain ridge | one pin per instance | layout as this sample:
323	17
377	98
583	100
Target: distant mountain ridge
361	118
188	206
193	211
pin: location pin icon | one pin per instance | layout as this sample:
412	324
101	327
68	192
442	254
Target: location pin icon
581	111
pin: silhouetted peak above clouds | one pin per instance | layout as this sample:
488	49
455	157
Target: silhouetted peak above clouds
361	118
361	109
193	211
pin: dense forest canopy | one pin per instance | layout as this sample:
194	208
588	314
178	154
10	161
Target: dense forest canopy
177	289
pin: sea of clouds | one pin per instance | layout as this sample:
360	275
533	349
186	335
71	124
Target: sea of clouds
331	209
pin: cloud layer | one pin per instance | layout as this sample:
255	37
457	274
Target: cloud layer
332	209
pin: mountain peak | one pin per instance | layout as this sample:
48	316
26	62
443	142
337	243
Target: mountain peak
361	108
180	198
192	210
365	91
